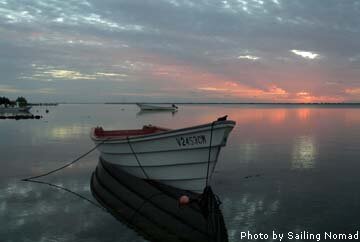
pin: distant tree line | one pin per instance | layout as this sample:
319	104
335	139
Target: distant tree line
21	101
4	100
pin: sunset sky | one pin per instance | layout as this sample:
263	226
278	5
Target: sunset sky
180	50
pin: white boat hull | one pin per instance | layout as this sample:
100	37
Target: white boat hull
178	158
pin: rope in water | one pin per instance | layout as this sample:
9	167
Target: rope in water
67	165
32	179
68	190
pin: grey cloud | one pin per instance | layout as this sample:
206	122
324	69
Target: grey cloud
93	36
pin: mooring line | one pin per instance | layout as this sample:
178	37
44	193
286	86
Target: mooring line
68	164
132	150
68	190
32	179
209	157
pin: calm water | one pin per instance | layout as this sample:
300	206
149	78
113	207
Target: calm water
285	168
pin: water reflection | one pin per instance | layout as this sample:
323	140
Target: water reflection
18	114
153	210
243	115
309	168
14	110
67	132
156	112
278	116
352	117
31	212
304	153
251	208
248	151
303	114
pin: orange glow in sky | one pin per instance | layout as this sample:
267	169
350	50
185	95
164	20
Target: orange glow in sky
180	76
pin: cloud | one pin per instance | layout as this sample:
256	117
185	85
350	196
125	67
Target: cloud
13	90
110	74
249	57
353	91
67	74
216	89
274	90
245	92
8	89
51	73
306	97
302	94
305	54
220	49
70	13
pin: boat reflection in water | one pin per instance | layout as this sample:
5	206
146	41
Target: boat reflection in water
152	112
153	209
14	109
16	114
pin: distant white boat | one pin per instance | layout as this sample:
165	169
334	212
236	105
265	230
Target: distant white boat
181	158
14	109
163	107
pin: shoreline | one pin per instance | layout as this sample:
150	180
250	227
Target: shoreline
210	103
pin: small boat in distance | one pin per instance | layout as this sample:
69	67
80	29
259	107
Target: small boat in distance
183	158
158	107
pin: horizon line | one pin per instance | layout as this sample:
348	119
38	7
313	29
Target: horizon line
246	103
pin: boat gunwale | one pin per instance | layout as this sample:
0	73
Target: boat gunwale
122	139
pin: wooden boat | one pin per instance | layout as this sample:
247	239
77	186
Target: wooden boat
157	107
182	158
153	210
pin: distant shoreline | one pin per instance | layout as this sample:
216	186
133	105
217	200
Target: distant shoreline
43	104
245	103
203	103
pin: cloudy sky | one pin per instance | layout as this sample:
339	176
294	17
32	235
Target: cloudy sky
180	50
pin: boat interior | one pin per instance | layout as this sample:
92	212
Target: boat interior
147	129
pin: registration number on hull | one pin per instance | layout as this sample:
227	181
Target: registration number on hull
191	140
